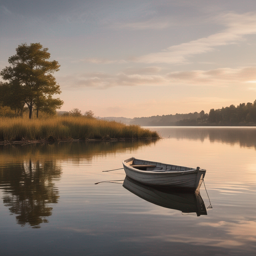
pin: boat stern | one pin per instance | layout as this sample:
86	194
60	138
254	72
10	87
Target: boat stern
200	178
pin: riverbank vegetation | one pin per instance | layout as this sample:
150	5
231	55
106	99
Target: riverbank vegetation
62	128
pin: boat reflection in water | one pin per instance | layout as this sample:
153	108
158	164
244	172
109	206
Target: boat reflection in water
186	202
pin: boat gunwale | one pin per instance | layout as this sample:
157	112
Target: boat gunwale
182	172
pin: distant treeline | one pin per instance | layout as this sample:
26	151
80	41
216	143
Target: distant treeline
243	114
165	119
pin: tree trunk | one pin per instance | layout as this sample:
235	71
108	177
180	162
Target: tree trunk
30	168
30	111
37	111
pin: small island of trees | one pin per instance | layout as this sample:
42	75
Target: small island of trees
29	87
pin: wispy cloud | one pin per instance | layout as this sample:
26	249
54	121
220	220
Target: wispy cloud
99	61
5	10
237	27
221	76
251	82
151	76
145	25
252	89
103	80
145	70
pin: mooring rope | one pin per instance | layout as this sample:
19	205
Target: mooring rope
210	206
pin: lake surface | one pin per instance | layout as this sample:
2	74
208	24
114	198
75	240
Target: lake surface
50	205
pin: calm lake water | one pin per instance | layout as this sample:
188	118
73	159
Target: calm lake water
50	205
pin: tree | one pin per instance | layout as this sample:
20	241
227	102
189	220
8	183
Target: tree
89	114
75	112
212	116
31	73
47	105
10	95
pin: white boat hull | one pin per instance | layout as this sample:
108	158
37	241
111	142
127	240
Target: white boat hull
170	175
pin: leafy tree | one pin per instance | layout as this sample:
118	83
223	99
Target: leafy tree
212	116
30	72
202	114
10	96
75	112
89	114
47	105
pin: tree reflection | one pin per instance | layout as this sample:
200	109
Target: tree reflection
28	185
28	190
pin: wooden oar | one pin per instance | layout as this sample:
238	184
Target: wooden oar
113	170
110	181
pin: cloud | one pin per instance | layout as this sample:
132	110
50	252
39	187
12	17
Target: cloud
103	80
144	25
151	76
99	61
251	82
221	76
146	70
5	10
237	26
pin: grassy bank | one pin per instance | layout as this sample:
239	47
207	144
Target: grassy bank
60	128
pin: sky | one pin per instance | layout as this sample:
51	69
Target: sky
140	58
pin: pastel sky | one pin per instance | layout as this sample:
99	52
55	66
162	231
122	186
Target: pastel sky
140	58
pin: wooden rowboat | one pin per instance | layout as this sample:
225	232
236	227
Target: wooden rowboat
158	174
186	202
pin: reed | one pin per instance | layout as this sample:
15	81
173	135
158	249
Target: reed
14	129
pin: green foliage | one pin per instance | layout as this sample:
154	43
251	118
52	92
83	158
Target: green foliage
30	79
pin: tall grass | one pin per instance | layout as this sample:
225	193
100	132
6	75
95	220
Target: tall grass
69	127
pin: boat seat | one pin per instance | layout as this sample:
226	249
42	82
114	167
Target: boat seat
143	165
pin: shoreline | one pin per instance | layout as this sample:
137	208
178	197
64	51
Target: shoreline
198	125
51	141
